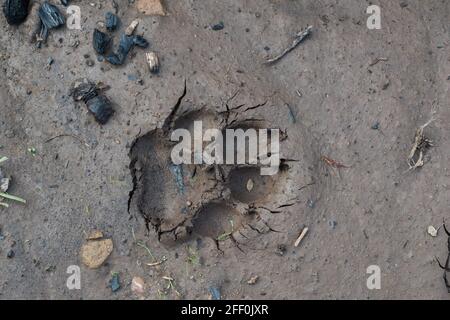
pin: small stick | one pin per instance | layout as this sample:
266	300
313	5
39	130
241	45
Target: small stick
68	135
301	236
298	39
155	263
374	62
306	186
333	163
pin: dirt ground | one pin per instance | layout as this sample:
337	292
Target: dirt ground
372	213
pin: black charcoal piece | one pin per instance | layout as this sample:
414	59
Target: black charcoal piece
15	11
125	45
84	91
112	21
100	41
90	93
101	108
217	27
50	18
140	41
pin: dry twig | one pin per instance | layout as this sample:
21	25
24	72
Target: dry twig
298	39
301	236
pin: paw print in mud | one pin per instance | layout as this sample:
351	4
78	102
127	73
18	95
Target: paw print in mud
220	201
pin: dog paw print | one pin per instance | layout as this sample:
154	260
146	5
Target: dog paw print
219	201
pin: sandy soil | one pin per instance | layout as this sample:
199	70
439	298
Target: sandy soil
373	213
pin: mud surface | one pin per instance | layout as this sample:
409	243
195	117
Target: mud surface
327	96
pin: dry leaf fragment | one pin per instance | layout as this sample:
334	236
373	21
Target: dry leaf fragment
420	145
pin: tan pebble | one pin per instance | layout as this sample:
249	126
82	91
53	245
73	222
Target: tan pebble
94	235
151	7
138	285
95	252
253	280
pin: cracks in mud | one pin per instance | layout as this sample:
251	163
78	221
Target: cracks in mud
168	123
166	128
236	111
206	201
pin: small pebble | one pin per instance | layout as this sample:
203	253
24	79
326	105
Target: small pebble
218	26
10	254
375	126
138	285
250	185
281	249
432	231
253	280
115	283
332	224
215	293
